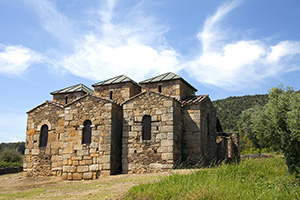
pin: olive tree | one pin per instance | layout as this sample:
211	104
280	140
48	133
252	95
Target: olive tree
276	125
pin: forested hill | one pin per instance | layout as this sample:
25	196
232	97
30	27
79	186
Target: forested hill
229	109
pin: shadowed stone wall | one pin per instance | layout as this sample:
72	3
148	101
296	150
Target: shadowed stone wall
199	133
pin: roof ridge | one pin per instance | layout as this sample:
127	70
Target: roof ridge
69	89
115	80
46	102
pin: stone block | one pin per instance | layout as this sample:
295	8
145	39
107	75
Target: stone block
104	147
26	152
83	152
94	167
105	159
161	136
84	168
77	176
167	156
168	103
35	152
68	117
106	166
68	150
69	169
87	175
64	176
70	176
170	136
132	133
166	128
164	149
166	143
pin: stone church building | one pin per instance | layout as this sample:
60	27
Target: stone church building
121	127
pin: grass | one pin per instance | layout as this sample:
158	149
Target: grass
251	179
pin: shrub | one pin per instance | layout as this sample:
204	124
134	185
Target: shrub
10	155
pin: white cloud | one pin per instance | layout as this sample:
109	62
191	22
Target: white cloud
115	42
131	44
237	64
15	60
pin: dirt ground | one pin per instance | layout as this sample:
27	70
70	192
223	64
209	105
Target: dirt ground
15	186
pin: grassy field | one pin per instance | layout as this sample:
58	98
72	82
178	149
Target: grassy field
251	179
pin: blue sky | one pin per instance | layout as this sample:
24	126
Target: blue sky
223	48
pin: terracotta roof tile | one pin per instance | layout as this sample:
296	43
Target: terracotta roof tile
193	99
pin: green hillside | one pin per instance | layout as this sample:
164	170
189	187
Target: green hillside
229	109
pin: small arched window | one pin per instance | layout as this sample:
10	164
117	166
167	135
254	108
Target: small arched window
87	132
146	132
111	95
66	100
44	136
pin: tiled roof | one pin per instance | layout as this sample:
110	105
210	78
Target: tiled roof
115	80
166	77
163	77
74	88
193	99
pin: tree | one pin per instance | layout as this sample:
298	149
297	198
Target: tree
276	125
10	155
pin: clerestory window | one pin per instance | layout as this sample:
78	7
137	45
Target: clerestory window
87	132
146	131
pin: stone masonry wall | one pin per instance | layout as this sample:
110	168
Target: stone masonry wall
186	90
44	161
138	155
61	98
199	133
175	88
208	124
87	161
121	91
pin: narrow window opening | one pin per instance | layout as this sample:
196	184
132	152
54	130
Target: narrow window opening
110	94
159	88
207	121
87	132
44	136
146	132
66	100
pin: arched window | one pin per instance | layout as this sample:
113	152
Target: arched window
146	132
44	136
87	132
111	95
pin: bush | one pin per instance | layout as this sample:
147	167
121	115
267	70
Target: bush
10	155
